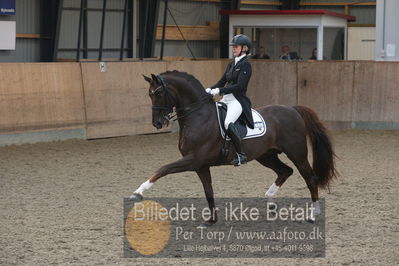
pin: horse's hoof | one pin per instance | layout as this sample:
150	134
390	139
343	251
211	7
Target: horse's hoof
311	220
271	206
136	197
205	225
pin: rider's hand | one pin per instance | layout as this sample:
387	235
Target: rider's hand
215	91
208	90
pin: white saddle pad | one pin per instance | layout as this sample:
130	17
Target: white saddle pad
259	125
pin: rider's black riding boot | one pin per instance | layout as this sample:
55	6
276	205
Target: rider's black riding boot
241	158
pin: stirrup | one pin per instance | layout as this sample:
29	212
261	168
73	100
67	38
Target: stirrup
239	159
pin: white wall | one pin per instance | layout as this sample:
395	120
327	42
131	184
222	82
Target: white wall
387	24
361	43
7	33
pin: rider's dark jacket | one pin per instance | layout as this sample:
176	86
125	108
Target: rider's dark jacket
235	80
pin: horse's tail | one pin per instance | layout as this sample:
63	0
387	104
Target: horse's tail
323	153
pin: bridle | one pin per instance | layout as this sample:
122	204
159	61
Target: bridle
168	97
171	101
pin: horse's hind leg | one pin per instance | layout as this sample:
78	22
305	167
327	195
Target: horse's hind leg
307	173
282	170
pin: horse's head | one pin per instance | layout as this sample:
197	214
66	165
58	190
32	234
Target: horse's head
163	100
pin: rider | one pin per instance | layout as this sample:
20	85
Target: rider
233	87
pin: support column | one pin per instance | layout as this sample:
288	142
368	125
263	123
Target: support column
224	26
148	26
50	21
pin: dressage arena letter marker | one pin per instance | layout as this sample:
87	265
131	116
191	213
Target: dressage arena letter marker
102	67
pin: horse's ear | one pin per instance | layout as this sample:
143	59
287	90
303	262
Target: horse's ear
155	79
148	79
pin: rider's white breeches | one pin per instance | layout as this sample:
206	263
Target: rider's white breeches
234	109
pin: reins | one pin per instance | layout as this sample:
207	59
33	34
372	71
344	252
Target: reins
186	110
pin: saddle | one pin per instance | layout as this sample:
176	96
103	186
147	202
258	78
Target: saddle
244	131
240	123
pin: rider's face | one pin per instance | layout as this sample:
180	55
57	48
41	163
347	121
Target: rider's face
236	50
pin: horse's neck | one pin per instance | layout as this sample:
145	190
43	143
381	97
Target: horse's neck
196	110
188	95
188	98
197	116
191	124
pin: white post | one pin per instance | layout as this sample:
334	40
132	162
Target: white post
387	37
346	43
320	37
231	34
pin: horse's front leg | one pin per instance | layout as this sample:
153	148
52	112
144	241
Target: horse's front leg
206	180
187	163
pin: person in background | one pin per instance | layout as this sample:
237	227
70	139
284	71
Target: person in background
261	54
287	55
314	54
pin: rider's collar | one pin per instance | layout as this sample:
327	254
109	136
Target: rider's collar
238	58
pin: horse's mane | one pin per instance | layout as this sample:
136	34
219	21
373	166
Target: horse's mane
188	77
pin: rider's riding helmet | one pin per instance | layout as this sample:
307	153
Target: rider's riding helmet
242	40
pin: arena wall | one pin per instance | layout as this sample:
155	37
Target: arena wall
376	92
50	101
273	82
345	94
40	96
116	100
327	87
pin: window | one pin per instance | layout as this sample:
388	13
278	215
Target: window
334	43
300	41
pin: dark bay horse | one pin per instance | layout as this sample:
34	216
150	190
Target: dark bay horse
200	141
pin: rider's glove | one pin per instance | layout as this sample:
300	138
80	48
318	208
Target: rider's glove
215	91
208	90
